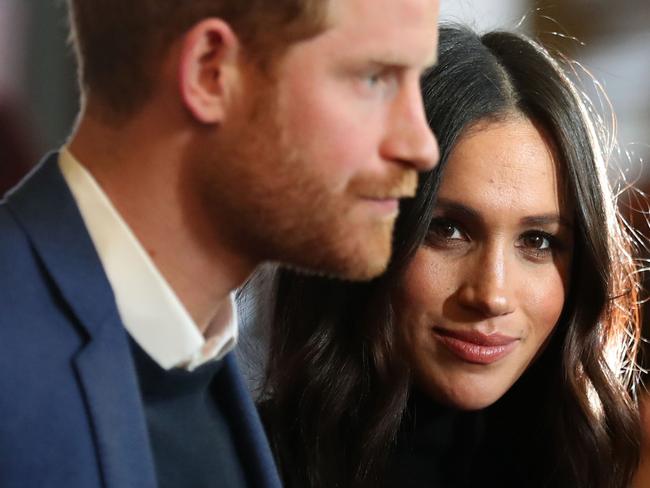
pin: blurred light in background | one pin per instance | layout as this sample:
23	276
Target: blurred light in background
12	32
485	15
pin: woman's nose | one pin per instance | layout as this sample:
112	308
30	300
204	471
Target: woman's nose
487	288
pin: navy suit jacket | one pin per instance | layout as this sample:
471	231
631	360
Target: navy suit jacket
70	407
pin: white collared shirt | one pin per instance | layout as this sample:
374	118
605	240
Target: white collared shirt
151	312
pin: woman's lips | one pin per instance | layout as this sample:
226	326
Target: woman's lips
475	347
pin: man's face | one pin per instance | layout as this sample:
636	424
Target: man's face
312	172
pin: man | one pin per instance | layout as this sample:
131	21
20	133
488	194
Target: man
214	135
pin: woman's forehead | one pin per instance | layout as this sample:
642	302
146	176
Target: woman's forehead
505	165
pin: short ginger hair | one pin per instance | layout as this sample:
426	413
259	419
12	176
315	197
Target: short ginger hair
119	44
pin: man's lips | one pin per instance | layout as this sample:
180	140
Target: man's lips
386	200
474	346
390	195
388	205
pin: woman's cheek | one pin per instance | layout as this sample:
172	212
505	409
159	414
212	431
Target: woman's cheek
544	302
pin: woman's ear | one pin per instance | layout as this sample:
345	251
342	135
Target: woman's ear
209	70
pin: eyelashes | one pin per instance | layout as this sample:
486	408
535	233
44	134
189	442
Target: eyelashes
446	229
539	244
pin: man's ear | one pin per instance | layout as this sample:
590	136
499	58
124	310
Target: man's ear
209	69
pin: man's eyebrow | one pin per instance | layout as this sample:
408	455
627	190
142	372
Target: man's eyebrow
397	60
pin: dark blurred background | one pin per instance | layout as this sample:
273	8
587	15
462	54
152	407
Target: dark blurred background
37	83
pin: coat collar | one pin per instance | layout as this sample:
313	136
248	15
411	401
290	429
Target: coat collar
246	423
45	208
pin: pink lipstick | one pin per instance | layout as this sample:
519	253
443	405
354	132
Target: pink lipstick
475	347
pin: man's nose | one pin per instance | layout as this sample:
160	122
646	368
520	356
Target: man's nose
410	140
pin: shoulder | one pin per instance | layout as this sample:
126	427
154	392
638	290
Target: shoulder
15	252
30	304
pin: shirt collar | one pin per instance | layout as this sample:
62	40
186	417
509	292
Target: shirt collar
151	312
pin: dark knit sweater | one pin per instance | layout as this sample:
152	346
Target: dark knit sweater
191	441
436	447
439	447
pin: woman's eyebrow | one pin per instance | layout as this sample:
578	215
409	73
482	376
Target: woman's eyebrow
547	219
457	208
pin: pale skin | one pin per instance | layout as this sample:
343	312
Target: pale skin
158	166
496	264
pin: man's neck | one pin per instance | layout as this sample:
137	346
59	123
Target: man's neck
139	167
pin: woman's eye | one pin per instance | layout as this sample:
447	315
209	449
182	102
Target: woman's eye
445	229
539	242
540	245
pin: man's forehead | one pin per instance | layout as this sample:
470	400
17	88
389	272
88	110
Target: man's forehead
356	10
395	31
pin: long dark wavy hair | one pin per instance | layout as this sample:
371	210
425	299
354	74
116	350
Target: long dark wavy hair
337	386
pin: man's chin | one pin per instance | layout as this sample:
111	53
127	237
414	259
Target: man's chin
352	263
348	273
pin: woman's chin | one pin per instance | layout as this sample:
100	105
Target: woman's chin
470	399
473	404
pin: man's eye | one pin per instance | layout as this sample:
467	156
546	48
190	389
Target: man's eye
381	82
373	78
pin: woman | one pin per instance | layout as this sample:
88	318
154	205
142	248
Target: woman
510	293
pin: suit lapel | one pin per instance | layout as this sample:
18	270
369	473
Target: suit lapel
247	427
45	208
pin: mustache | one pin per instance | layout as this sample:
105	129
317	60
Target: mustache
399	183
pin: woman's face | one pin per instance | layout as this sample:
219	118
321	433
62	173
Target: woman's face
483	294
